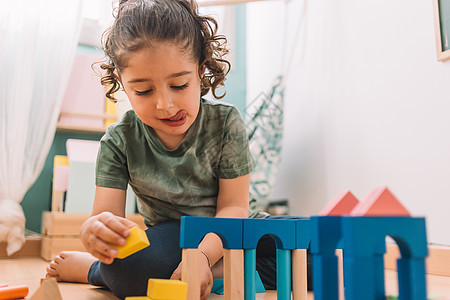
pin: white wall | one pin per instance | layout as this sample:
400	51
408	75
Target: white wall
367	103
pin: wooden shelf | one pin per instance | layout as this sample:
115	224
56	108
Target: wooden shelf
80	128
84	129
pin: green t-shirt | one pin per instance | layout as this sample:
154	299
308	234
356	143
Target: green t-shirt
184	181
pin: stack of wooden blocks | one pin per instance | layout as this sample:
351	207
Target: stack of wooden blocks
61	230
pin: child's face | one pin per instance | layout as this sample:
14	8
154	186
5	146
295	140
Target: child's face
163	85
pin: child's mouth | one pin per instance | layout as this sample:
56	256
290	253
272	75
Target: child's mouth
176	120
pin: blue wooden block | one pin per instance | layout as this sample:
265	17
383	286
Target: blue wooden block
284	234
326	237
303	233
283	274
249	274
217	287
325	271
282	231
364	239
326	234
193	229
363	235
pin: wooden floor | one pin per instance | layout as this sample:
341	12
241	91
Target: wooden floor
29	271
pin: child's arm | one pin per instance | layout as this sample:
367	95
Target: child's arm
232	202
107	225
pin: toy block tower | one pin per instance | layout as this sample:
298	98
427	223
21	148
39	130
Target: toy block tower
240	238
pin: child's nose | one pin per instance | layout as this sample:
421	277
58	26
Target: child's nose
164	102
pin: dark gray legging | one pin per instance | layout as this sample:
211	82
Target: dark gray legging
129	276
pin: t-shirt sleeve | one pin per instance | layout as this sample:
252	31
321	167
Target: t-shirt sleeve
111	167
236	159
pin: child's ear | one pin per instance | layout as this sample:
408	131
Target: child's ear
201	71
116	74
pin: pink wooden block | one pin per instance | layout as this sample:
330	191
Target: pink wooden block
60	178
342	204
380	202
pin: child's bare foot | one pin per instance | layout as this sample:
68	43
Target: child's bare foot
70	266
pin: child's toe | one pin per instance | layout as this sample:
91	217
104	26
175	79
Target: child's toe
51	272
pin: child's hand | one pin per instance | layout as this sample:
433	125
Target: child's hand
101	232
206	279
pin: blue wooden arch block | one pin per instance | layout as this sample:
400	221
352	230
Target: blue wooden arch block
193	229
282	231
364	241
364	248
326	237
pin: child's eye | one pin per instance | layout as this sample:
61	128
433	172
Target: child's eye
180	87
138	93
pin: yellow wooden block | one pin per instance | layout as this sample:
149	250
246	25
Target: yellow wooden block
60	160
136	241
166	289
138	298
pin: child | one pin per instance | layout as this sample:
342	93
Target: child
181	154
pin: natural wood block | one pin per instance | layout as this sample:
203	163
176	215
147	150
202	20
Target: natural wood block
299	274
233	281
62	224
57	200
340	256
190	272
48	290
52	246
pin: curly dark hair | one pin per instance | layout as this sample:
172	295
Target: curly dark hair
139	23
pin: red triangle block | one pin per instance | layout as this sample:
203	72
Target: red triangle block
342	204
380	202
